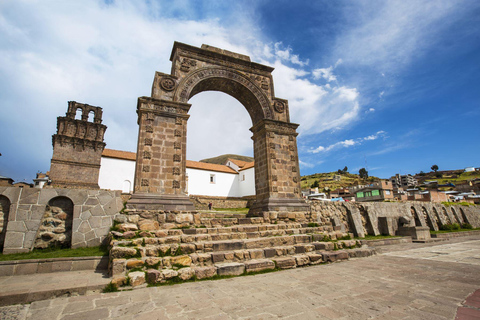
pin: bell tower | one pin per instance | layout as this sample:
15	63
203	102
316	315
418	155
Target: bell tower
77	148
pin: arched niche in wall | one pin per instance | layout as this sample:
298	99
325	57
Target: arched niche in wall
56	227
4	211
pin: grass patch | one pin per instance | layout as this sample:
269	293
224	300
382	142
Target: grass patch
312	225
50	253
110	288
456	230
445	203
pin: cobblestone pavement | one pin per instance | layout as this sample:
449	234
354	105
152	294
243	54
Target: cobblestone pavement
410	281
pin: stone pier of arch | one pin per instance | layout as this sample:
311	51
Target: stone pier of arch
160	176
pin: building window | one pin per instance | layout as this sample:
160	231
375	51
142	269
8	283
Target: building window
212	178
375	192
359	194
243	176
387	191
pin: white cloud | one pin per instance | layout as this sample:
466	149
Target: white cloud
325	73
286	55
347	143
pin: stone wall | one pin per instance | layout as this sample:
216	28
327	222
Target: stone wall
30	217
376	218
201	202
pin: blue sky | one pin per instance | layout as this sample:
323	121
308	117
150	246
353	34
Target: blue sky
391	85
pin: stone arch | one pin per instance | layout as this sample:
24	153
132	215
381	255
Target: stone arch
366	221
463	215
430	223
447	216
457	217
160	174
56	226
230	82
418	223
439	219
4	212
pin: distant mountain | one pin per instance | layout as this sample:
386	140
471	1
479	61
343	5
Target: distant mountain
223	159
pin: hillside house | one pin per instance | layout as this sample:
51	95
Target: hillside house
377	191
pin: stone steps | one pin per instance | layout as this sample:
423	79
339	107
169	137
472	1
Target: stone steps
227	267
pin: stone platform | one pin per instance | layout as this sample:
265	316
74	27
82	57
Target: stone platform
397	283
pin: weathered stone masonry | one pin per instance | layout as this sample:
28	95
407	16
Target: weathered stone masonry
160	175
93	213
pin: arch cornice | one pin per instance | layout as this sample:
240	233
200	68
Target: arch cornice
184	90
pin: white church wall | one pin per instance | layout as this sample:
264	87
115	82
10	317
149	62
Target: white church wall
116	174
223	184
246	182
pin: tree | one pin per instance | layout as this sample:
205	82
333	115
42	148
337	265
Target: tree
345	170
363	173
434	168
314	184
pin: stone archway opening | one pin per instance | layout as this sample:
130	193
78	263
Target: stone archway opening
56	226
218	124
160	176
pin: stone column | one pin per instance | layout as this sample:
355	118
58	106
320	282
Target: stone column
160	181
277	176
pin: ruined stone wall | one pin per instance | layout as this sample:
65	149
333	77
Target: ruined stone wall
35	219
375	218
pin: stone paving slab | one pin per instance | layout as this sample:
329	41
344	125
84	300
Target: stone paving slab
399	284
34	287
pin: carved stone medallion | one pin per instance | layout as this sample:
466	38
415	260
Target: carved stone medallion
167	84
279	106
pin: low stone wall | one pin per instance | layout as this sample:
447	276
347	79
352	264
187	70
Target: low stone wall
90	221
23	267
376	218
201	202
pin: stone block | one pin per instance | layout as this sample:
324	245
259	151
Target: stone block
184	260
227	246
205	272
186	273
153	276
118	267
169	274
299	249
315	258
324	246
25	268
7	269
134	263
83	265
58	266
230	269
256	254
148	225
127	227
285	262
302	238
137	278
13	240
269	252
218	257
259	265
122	252
44	267
302	260
335	256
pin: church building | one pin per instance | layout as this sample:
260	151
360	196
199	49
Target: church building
236	178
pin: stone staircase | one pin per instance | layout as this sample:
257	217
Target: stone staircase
231	245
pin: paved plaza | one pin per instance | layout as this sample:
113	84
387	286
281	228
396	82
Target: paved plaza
408	281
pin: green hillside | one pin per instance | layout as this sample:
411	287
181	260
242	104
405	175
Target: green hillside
325	180
223	159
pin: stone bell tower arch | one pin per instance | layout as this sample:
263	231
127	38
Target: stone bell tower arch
160	179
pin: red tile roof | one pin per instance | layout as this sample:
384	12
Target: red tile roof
209	166
125	155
